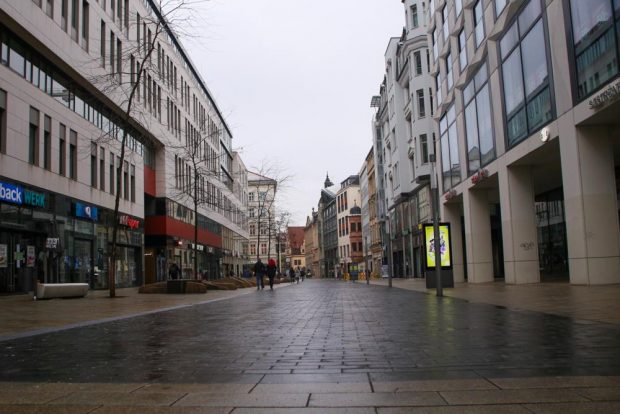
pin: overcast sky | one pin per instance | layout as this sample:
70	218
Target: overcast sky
294	79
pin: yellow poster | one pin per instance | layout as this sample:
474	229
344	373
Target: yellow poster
444	237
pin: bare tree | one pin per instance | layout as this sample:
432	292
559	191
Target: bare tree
130	69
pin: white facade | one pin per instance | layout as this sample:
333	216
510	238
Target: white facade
261	217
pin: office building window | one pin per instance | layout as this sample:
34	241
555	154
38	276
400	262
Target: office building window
33	137
499	6
438	83
421	107
85	24
478	122
47	142
93	165
73	155
458	7
444	20
451	167
462	51
119	171
478	23
102	44
112	59
62	150
449	74
49	8
2	121
75	19
525	71
418	62
414	16
64	7
119	60
102	169
430	98
126	180
435	47
595	43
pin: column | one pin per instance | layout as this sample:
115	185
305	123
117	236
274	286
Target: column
478	236
452	214
519	233
591	208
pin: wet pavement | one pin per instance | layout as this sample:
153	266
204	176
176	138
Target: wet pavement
322	344
323	328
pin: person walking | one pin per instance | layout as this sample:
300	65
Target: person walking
303	273
297	275
174	271
271	272
259	271
291	274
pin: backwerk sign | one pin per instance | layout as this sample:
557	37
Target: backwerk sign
17	195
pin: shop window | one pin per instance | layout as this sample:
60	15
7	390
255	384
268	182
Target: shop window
478	122
2	121
33	137
73	155
525	70
47	142
595	43
62	150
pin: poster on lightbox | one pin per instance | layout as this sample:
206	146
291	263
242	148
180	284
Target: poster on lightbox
3	255
429	242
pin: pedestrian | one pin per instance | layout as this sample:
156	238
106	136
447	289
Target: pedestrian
303	273
297	275
271	272
174	271
291	274
259	271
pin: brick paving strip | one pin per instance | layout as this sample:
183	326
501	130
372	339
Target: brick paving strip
318	347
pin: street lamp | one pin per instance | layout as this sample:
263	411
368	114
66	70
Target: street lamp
436	236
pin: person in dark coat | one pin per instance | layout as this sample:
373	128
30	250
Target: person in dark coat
271	272
259	271
174	271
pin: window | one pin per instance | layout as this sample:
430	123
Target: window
418	62
111	173
126	20
85	25
438	87
527	95
47	143
2	121
444	20
62	150
132	183
430	97
102	169
478	23
434	41
421	108
252	230
478	122
75	19
424	148
414	16
252	249
458	6
119	60
63	14
595	45
33	141
72	154
449	76
451	167
49	8
102	44
462	51
126	180
112	60
500	5
263	248
93	165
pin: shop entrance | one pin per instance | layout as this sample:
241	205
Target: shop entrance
82	271
18	261
551	229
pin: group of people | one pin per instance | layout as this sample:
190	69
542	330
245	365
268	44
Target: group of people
260	270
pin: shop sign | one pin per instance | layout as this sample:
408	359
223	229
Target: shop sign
34	199
429	245
86	211
199	247
125	220
11	193
210	249
608	95
52	242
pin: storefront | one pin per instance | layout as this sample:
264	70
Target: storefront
54	239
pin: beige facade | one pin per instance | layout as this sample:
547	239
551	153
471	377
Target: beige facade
526	95
311	244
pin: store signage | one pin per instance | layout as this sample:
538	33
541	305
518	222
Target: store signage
86	211
199	247
17	195
52	242
608	95
444	241
129	222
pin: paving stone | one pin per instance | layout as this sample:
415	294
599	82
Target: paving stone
243	400
600	394
479	409
433	385
44	409
473	397
30	397
382	399
557	382
310	387
575	408
161	410
116	398
357	410
202	388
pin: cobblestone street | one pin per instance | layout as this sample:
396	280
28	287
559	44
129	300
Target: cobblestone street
319	344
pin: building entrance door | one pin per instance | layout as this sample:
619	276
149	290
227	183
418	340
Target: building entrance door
18	263
82	262
551	229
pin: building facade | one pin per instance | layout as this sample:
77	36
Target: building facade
328	236
526	97
312	244
263	235
67	69
295	247
348	197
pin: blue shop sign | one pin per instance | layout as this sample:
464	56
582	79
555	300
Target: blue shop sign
17	195
86	211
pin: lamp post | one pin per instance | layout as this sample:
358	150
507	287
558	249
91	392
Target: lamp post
436	235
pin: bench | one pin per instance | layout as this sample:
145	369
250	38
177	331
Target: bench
61	290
